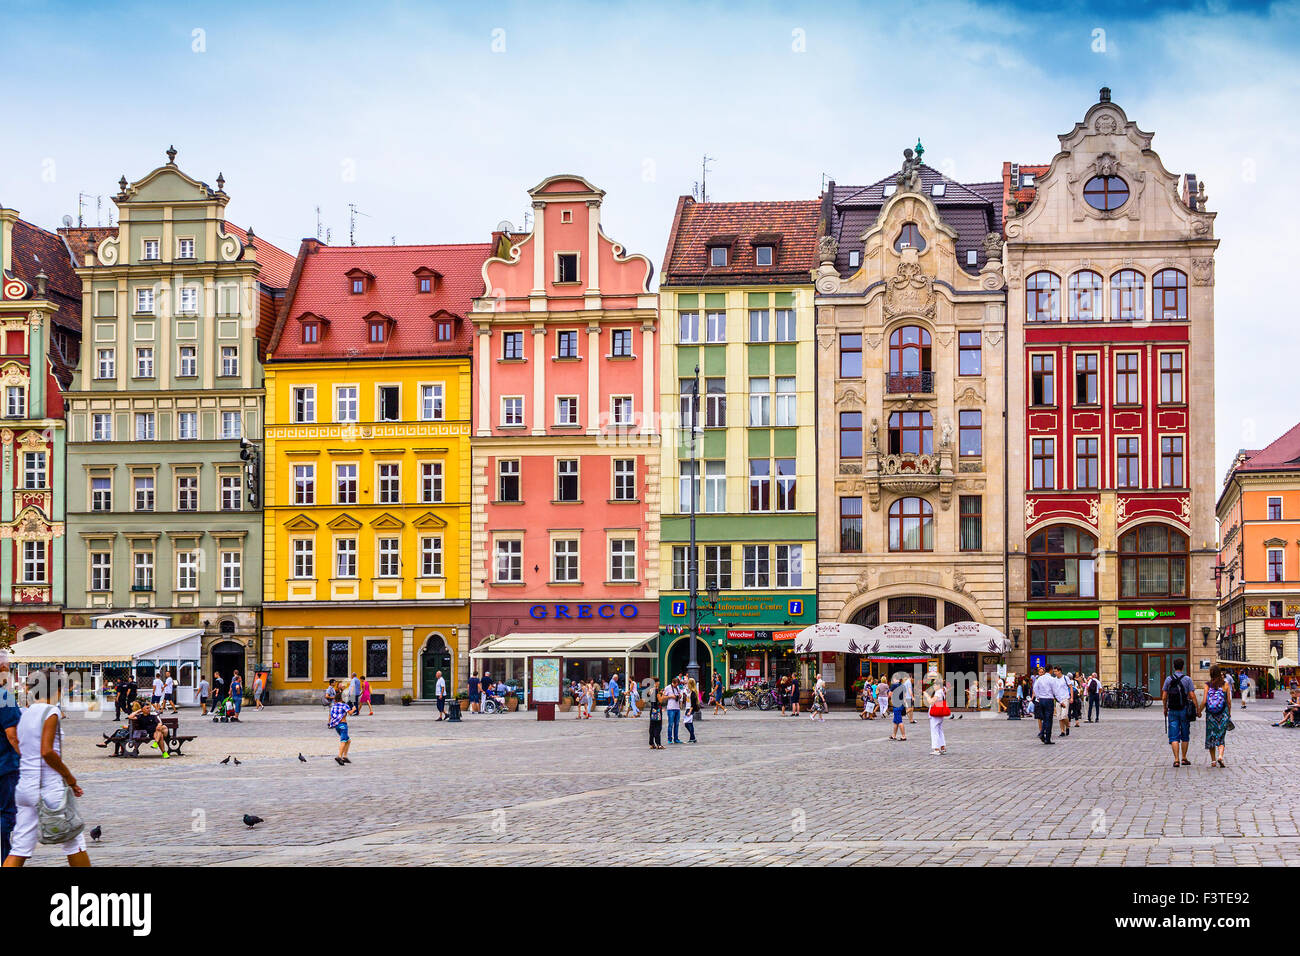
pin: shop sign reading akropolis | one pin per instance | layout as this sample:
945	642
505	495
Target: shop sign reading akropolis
133	620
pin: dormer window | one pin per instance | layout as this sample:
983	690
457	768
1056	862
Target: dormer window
855	258
359	281
310	333
763	255
938	189
378	331
718	256
1027	179
445	329
566	267
426	279
890	189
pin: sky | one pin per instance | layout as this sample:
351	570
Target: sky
434	119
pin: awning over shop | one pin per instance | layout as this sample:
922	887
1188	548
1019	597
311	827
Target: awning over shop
565	645
889	640
109	645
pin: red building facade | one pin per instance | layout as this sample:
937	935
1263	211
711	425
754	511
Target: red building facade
1111	408
564	476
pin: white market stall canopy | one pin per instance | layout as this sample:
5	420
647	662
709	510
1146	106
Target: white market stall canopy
900	638
109	645
565	645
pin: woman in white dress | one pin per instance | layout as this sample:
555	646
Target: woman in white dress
42	774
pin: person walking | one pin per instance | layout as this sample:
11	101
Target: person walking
364	699
350	693
1076	697
882	697
204	689
338	722
898	706
672	704
688	714
1044	704
1063	699
1217	709
10	715
655	707
218	690
473	693
716	695
119	699
936	704
440	695
155	696
611	692
633	698
1093	688
794	694
237	692
1245	687
42	775
909	699
257	691
819	700
1179	696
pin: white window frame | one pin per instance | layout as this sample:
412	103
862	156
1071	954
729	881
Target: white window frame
303	400
353	484
304	484
187	569
431	483
622	561
566	560
232	571
35	562
303	558
146	426
101	426
509	404
388	483
144	366
431	565
106	363
512	551
347	399
345	558
388	557
433	402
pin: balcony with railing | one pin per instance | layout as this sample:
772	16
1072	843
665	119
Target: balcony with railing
909	383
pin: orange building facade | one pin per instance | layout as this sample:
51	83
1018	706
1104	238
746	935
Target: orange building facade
1259	554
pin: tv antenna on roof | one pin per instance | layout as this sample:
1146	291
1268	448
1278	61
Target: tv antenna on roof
353	212
702	187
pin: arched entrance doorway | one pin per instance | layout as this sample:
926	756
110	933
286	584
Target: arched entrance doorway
228	657
679	656
435	656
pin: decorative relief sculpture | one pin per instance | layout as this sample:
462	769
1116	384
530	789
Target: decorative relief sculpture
909	292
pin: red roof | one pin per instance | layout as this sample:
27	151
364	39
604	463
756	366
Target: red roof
35	251
321	287
274	264
742	226
1283	454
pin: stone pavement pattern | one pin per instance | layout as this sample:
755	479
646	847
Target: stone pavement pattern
757	789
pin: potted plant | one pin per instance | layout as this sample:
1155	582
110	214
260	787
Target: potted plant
512	700
565	703
406	700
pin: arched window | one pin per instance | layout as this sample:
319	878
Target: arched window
1169	294
1085	296
1105	192
1126	296
1153	562
909	237
227	626
1062	563
911	433
909	351
911	525
1043	297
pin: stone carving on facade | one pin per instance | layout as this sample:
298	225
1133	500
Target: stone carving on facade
1031	511
874	340
993	336
1121	511
993	247
909	177
826	276
943	338
946	434
1094	512
1185	510
850	468
970	395
827	248
1106	125
959	582
1203	271
875	433
849	394
825	340
909	292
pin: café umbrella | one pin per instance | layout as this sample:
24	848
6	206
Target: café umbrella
972	637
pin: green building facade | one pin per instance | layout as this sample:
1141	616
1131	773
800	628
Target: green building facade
736	302
165	419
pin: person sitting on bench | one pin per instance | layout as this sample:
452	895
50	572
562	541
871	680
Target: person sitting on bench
149	723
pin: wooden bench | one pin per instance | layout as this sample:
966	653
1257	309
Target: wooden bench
130	746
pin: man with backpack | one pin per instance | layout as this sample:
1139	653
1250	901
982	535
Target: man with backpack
1093	688
1179	697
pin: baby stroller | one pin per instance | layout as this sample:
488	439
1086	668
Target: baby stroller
619	707
224	712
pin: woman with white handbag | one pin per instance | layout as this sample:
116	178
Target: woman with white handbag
47	790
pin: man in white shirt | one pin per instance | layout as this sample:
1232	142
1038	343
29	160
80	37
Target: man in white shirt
156	695
1044	704
440	695
1063	694
909	699
672	694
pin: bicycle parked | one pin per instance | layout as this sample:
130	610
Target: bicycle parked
1126	696
754	694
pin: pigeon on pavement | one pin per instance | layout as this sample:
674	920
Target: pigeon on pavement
227	760
251	821
96	833
236	761
302	758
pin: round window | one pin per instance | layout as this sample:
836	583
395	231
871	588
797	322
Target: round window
1105	192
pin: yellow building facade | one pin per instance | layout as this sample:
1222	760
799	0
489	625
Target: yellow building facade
367	484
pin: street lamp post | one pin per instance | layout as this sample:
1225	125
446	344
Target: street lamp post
692	562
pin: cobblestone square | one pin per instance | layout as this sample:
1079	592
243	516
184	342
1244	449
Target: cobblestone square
756	789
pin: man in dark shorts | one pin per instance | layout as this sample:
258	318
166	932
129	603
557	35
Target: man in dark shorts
440	694
144	719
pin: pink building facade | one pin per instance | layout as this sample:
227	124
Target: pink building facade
565	468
